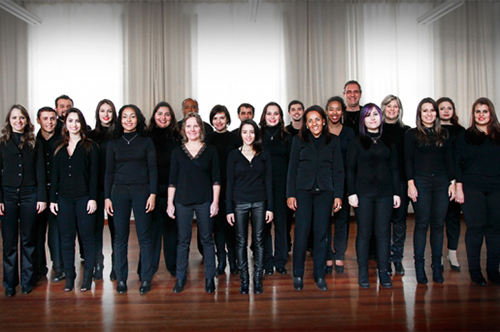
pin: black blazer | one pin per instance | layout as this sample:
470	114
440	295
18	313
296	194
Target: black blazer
310	166
22	168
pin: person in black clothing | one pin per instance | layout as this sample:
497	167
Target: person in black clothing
191	105
478	189
131	183
395	129
225	142
105	122
63	104
431	185
245	111
73	195
22	196
278	142
249	191
449	121
296	112
194	187
352	95
315	187
335	109
373	185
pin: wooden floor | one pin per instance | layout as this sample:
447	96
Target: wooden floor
454	305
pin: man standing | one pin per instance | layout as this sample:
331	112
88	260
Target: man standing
191	105
245	111
352	95
295	111
63	104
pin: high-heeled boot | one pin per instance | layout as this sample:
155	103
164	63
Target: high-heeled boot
86	281
385	280
420	272
363	280
257	283
245	281
70	280
437	273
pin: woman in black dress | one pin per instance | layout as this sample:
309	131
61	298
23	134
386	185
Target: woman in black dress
73	195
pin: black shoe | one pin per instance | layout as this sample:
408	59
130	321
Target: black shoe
398	266
145	287
234	270
477	277
27	289
281	270
321	283
437	274
298	283
70	284
179	285
244	288
329	269
389	268
86	281
121	287
112	275
10	292
172	273
339	269
209	285
257	285
59	276
99	267
420	273
385	280
494	276
269	272
363	279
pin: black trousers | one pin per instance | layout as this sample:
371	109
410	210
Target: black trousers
72	215
184	216
398	220
242	214
312	209
224	236
99	230
453	225
341	236
280	223
19	219
482	217
126	198
373	216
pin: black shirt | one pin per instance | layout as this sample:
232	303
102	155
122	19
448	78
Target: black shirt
292	130
224	143
279	148
48	146
102	143
351	119
396	132
249	182
164	147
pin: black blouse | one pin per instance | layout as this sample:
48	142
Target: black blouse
224	143
102	143
48	147
164	148
396	132
279	148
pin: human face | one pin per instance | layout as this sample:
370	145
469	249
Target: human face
482	115
163	117
315	123
17	121
428	115
73	124
63	105
352	95
193	130
129	120
273	116
248	134
372	121
334	112
296	112
189	106
220	122
245	113
445	111
105	115
47	122
392	111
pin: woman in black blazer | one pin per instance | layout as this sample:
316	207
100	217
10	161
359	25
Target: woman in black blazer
73	195
315	186
22	196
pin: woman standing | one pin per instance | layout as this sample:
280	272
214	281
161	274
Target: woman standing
249	191
73	195
449	121
395	129
431	185
131	184
373	185
22	196
105	122
335	109
278	142
478	189
194	187
315	186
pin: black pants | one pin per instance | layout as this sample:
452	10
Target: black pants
482	217
19	219
126	198
340	239
99	230
373	216
398	221
184	216
242	213
224	236
72	215
453	225
280	223
312	209
430	210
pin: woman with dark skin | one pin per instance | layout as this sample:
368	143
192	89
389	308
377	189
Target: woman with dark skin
478	189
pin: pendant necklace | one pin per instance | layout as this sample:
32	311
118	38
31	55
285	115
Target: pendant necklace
129	140
272	136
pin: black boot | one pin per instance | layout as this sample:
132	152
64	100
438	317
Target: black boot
385	280
363	280
245	281
98	269
437	273
420	272
86	281
221	268
477	277
70	280
494	276
209	285
257	283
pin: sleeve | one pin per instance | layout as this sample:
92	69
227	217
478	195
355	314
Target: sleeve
54	180
394	169
109	177
216	180
293	165
269	182
410	154
459	156
41	174
338	174
231	162
174	168
94	171
351	167
152	166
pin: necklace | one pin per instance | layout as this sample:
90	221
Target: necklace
272	136
129	140
355	118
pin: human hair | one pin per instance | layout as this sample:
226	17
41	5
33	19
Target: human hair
28	136
386	101
295	102
340	100
100	131
257	143
199	121
85	141
141	121
422	135
281	124
365	112
493	126
66	97
220	109
172	130
247	105
353	82
454	118
304	130
45	109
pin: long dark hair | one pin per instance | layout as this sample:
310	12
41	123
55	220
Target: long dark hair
101	132
340	100
141	121
172	130
281	124
493	126
422	134
454	118
304	131
257	143
85	141
28	136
